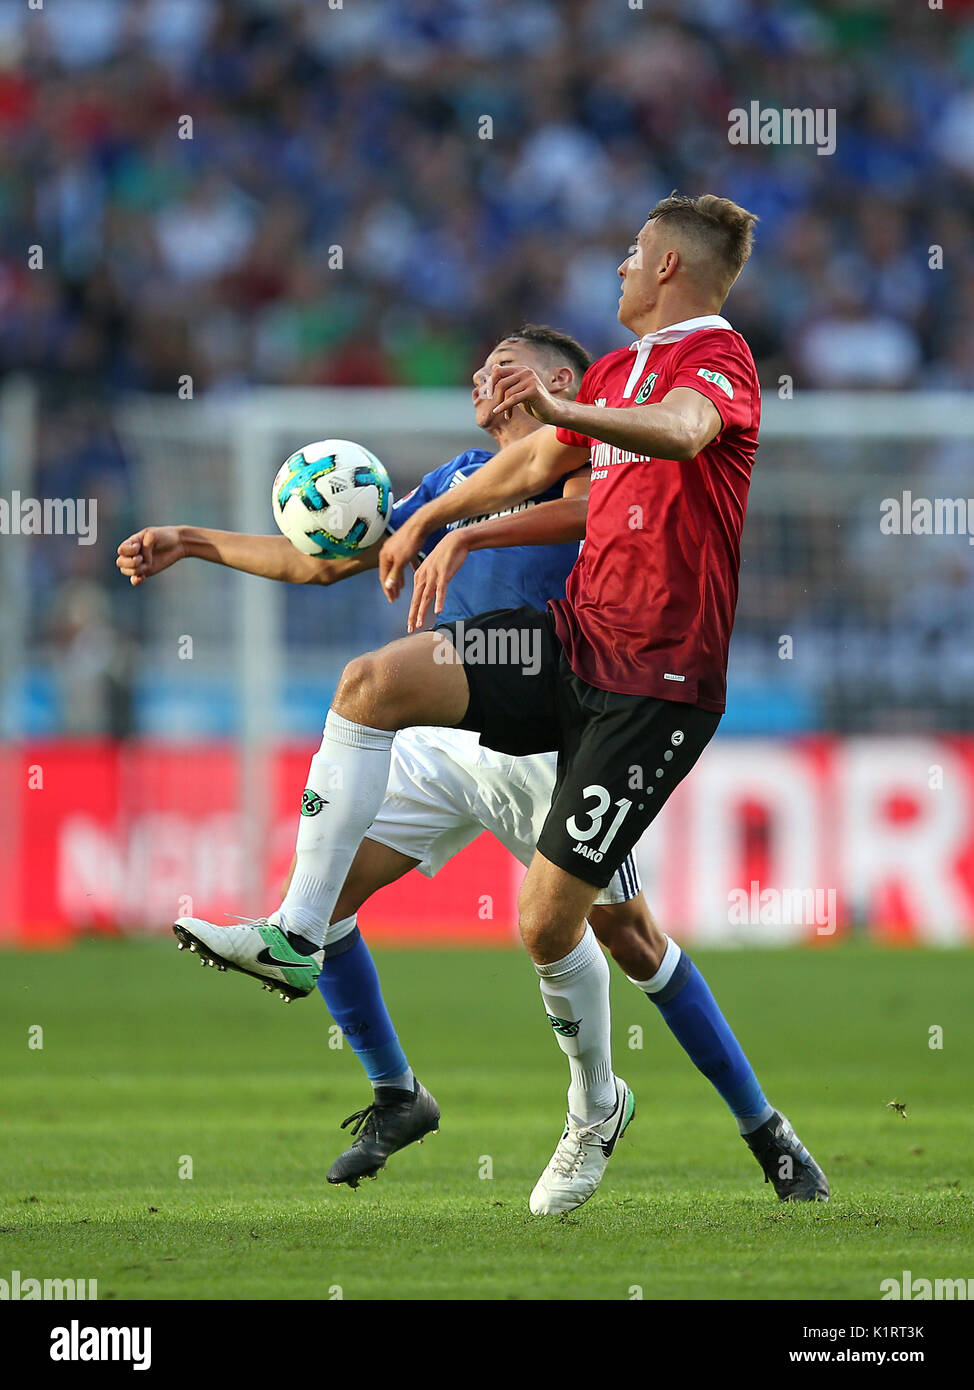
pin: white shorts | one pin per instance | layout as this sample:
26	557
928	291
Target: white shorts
445	788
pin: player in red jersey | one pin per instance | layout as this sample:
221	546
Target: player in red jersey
625	676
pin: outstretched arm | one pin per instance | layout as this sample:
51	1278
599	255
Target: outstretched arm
515	473
153	549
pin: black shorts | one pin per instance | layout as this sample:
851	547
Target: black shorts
619	756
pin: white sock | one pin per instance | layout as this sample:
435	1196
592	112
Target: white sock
337	931
346	783
671	959
576	994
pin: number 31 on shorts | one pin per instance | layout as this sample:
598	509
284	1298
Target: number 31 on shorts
595	814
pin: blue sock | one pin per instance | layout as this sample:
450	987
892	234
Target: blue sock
690	1012
349	985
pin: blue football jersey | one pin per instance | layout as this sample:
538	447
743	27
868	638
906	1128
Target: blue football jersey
505	577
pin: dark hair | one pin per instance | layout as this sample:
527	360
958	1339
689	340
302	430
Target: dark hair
556	344
724	230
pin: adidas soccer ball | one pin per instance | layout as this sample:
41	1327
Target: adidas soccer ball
332	498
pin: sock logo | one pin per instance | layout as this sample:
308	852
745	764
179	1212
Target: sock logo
564	1026
311	802
355	1030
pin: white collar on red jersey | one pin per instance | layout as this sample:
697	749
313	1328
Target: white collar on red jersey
671	334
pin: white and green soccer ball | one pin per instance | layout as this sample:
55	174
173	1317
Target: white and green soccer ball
332	498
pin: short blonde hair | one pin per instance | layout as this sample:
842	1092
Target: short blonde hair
723	232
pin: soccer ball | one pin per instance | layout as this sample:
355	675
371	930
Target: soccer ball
332	498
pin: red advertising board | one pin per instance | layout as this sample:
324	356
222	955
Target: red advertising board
768	841
124	837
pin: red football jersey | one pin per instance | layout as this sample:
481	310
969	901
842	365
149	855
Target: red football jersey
649	605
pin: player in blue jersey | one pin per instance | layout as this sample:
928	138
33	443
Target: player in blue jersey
444	788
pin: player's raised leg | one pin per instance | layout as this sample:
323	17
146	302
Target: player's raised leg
398	686
574	977
402	684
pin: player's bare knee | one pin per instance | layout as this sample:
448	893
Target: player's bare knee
533	923
353	686
547	937
529	916
364	692
541	939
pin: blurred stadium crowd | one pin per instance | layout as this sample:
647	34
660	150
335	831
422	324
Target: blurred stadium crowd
361	127
373	193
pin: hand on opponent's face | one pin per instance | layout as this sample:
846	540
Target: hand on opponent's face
514	386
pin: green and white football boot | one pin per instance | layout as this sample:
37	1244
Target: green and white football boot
260	949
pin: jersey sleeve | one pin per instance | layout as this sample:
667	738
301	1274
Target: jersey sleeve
402	510
403	507
720	367
586	396
432	485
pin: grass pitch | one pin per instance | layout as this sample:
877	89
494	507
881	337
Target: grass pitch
152	1067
